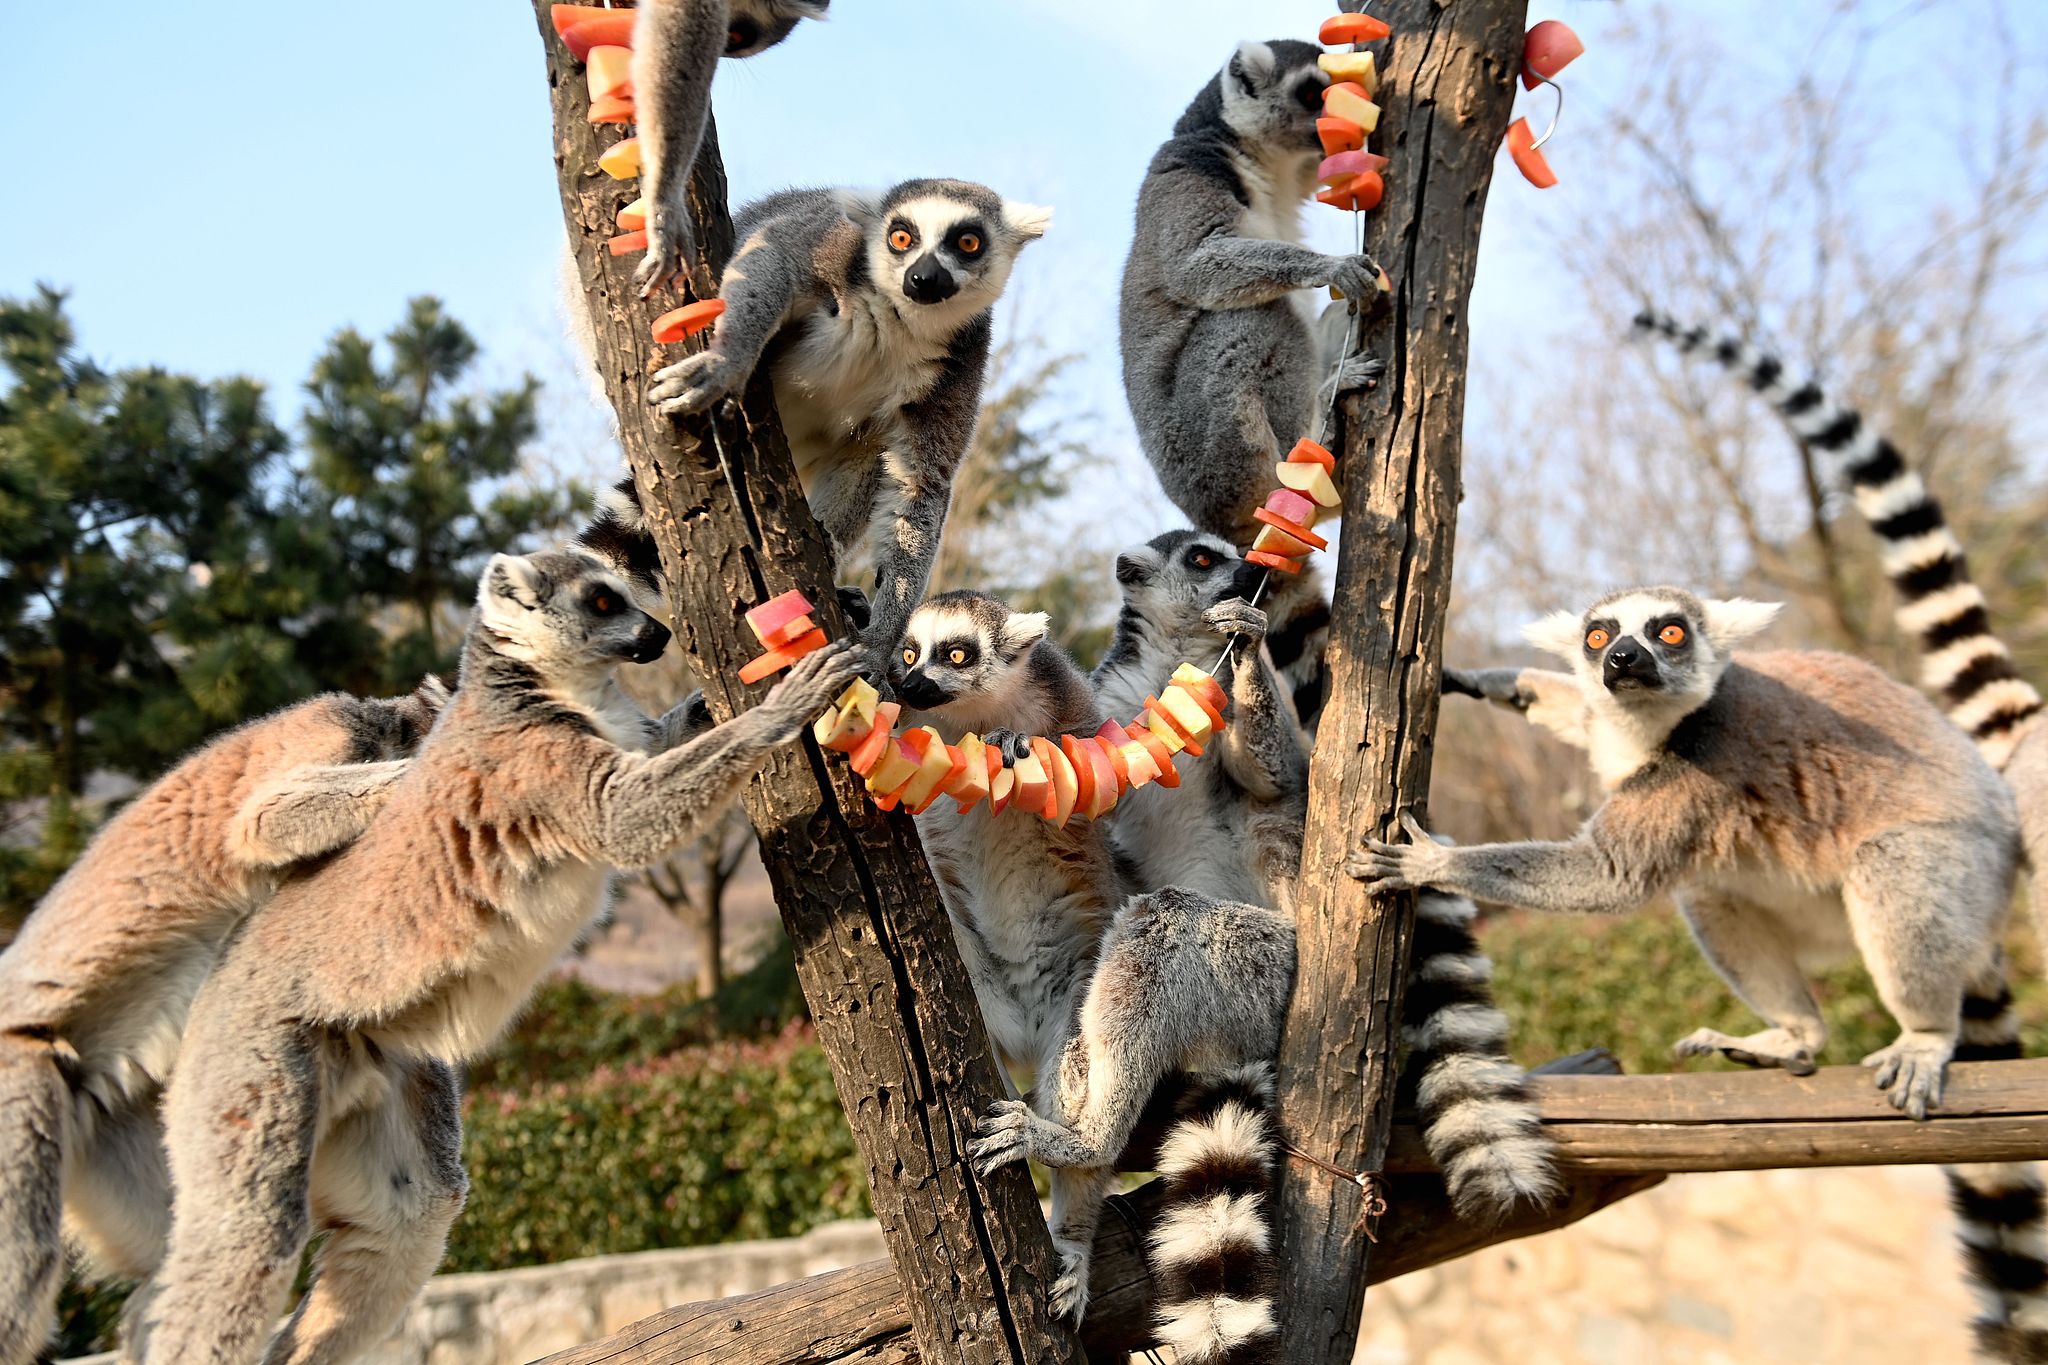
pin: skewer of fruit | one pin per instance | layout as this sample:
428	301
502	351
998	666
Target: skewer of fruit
1547	49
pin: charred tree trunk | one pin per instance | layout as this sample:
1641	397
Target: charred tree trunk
874	951
1449	82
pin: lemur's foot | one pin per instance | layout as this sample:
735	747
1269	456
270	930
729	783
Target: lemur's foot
1399	867
693	383
1360	374
1009	743
1002	1136
1235	617
1069	1296
1913	1069
1772	1047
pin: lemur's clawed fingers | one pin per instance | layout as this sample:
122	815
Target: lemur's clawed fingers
853	600
814	680
1011	744
1001	1137
1237	618
1415	829
692	384
1913	1070
1360	372
1357	278
669	247
1382	867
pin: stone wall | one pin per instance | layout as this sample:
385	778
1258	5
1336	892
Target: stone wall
1847	1267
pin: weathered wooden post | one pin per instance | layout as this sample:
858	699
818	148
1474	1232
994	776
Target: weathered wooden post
874	951
1448	86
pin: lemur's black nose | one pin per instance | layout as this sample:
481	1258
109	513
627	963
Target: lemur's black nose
927	281
649	641
921	692
1244	580
1628	661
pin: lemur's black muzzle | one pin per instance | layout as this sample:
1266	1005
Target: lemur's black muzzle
649	641
1628	665
927	281
921	692
1244	581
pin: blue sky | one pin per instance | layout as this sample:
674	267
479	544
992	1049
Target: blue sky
249	188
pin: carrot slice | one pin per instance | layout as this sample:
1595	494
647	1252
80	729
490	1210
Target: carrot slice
1292	528
1273	561
1112	739
1076	752
1528	160
611	111
870	750
609	73
788	635
687	320
632	241
1342	166
1356	192
615	29
1206	689
775	660
1338	28
564	16
621	160
1547	49
1339	135
633	216
1308	452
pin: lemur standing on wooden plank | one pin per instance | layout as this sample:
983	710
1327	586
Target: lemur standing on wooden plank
676	47
871	310
1220	364
1193	975
1970	669
316	1076
95	989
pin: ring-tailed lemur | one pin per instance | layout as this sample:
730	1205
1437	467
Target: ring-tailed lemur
314	1081
1799	803
676	47
95	989
871	311
1220	365
1970	669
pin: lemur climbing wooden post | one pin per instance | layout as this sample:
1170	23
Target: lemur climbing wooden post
893	1008
1448	81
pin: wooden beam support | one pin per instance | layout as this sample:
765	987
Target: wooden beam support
1449	79
894	1011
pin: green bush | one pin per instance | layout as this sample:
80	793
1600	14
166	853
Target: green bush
716	1143
1636	984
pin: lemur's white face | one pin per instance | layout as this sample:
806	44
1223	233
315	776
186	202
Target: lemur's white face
1272	94
1173	578
1659	649
965	653
943	259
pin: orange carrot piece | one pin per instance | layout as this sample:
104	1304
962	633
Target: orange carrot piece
1341	28
1308	452
1162	757
1528	160
1273	561
564	16
1339	135
1292	528
775	660
870	751
687	320
632	241
788	635
611	111
615	29
632	217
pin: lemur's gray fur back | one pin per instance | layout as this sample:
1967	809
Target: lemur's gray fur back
2001	1206
871	310
1220	366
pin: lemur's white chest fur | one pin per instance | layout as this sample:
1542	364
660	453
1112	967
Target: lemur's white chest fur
841	381
1278	183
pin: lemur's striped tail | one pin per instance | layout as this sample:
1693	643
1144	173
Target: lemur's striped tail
1211	1250
1962	660
618	533
2000	1208
1478	1121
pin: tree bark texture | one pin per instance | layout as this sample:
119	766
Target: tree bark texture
1449	77
874	951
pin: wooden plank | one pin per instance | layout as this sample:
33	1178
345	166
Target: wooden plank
1774	1146
874	951
1835	1092
1449	84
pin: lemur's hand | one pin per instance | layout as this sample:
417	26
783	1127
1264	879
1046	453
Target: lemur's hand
1235	618
1400	867
1501	686
669	248
1009	743
1357	278
693	383
811	684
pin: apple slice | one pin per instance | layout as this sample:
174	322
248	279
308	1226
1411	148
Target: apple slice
1066	783
850	718
1342	166
784	636
1547	49
1339	29
1206	689
1293	506
1170	732
621	160
869	751
1191	716
934	766
1267	559
1138	761
1199	702
615	29
1309	452
1349	101
777	612
1102	787
1034	783
687	320
1282	537
969	786
611	111
1535	168
1156	749
1339	135
775	660
1356	67
1002	788
609	73
1355	193
1075	751
899	763
1112	739
1298	529
633	216
1312	481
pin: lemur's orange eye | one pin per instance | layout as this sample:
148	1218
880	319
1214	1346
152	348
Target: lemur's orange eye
969	243
1673	634
909	656
900	239
957	655
1596	638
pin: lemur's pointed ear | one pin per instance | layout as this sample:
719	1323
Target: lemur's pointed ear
1136	566
1732	620
1557	633
1023	630
513	579
1028	221
1250	67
